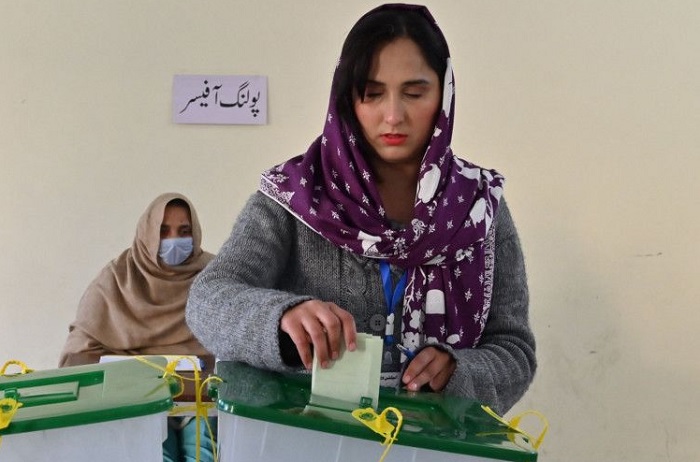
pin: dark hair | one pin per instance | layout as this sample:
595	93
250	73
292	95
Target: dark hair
177	202
370	33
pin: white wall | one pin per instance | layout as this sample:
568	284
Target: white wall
590	108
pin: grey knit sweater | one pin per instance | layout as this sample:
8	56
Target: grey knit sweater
272	262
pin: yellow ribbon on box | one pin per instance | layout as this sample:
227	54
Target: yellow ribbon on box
513	423
379	423
9	406
200	408
13	362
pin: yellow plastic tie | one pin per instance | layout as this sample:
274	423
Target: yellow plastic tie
8	407
378	423
200	408
13	362
515	421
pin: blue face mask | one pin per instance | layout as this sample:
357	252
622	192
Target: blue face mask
175	250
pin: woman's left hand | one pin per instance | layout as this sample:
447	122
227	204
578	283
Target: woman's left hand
431	366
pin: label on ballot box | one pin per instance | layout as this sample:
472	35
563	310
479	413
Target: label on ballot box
107	412
268	416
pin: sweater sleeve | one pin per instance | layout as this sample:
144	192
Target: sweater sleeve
233	307
499	370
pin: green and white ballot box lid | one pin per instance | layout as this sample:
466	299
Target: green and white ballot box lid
430	421
82	395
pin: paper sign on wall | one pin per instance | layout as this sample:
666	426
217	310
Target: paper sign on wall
220	99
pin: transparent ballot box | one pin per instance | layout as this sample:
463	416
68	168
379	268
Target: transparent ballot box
267	416
112	412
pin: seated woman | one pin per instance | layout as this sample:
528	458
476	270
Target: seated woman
136	305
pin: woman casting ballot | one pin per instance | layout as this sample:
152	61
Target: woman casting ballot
379	228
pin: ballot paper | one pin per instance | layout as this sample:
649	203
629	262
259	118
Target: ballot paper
353	377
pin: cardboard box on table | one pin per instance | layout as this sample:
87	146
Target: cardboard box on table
112	412
266	416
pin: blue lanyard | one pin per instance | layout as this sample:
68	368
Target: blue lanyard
392	296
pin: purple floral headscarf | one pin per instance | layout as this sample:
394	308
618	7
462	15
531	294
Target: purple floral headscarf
448	248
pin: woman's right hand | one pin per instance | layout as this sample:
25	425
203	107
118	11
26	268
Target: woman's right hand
321	325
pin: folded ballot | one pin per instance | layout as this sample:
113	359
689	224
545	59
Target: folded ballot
353	378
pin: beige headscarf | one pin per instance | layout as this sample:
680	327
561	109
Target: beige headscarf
136	305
